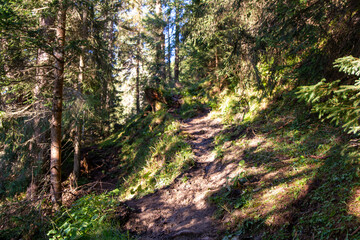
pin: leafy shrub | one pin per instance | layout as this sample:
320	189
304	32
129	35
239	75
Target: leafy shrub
88	218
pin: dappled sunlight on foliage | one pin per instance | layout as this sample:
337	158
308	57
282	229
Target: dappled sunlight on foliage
90	217
152	146
335	101
296	176
180	119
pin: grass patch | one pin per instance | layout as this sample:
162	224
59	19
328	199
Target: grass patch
234	195
148	153
192	107
153	153
302	176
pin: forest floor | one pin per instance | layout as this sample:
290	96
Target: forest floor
182	210
280	175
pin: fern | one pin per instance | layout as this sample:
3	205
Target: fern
339	103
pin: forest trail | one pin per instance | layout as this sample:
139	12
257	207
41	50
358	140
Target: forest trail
181	210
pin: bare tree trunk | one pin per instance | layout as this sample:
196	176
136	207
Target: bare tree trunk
55	157
78	125
77	147
107	79
169	52
110	77
177	42
78	128
160	47
163	57
138	74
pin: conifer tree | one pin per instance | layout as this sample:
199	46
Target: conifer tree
78	128
177	42
160	45
57	105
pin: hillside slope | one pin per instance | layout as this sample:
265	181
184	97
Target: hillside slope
278	174
297	178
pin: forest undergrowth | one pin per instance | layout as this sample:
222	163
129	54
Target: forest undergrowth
297	177
273	87
148	153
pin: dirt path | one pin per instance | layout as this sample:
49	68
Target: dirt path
181	211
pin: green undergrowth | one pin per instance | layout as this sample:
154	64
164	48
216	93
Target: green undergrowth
153	153
150	153
22	220
196	99
239	106
297	177
90	217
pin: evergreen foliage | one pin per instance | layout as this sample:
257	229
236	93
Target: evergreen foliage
334	100
233	58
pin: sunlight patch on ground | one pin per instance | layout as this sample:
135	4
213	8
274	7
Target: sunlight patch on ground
275	178
354	203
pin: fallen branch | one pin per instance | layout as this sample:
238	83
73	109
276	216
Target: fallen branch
355	231
277	129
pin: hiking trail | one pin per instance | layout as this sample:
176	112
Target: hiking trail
181	210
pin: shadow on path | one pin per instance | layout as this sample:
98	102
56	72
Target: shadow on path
181	210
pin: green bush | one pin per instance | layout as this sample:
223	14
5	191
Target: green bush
88	218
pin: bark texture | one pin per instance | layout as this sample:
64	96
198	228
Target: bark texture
81	76
55	157
138	74
160	47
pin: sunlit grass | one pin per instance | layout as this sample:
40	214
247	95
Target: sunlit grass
238	106
301	176
153	154
90	217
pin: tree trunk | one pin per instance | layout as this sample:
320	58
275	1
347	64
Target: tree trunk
177	42
169	52
55	157
160	47
138	74
78	124
77	147
107	80
163	57
78	128
138	54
